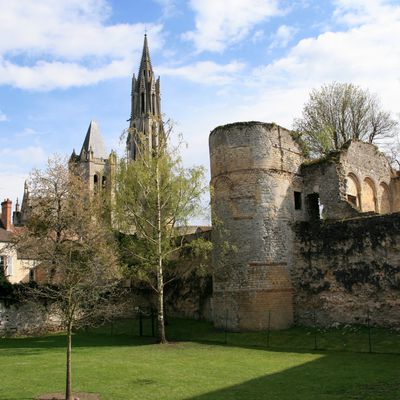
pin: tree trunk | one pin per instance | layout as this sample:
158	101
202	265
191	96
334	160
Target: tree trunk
160	277
160	315
68	386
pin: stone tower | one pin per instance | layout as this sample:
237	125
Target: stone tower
255	178
96	165
145	120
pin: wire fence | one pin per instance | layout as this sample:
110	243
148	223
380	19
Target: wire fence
363	337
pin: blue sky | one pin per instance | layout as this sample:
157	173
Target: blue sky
66	62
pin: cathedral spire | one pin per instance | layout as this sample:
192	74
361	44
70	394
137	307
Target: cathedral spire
145	120
145	64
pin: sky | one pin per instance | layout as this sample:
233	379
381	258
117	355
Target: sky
66	62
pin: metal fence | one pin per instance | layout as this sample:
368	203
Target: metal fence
363	337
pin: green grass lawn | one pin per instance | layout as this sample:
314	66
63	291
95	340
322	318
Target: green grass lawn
122	366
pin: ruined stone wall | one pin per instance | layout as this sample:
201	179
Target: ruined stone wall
371	172
254	172
325	178
30	318
347	270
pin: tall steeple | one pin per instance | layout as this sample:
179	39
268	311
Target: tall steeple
93	142
145	121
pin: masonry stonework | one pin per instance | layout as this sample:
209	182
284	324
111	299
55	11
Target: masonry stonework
254	169
293	236
348	271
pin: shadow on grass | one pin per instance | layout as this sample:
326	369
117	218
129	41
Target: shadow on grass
14	346
332	376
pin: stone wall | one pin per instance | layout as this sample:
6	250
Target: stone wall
29	318
254	172
347	271
325	178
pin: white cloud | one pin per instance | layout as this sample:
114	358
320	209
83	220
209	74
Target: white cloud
25	155
3	116
205	72
357	12
367	54
169	7
282	36
220	23
74	34
258	36
11	185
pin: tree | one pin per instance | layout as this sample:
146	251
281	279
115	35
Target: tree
338	112
77	270
155	194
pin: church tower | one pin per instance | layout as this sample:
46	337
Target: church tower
94	162
145	121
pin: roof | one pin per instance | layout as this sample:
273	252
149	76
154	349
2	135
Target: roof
94	142
5	236
192	229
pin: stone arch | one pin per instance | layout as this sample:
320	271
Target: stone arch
368	196
353	190
384	198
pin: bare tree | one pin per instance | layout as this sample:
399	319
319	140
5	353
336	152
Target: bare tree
338	112
156	194
77	270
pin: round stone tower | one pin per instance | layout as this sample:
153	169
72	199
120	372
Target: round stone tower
256	195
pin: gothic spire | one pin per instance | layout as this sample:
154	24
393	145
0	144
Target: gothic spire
146	68
145	117
94	142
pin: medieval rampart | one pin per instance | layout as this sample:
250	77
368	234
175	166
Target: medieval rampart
348	271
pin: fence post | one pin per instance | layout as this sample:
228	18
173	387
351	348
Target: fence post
140	324
369	332
269	327
226	327
315	331
153	334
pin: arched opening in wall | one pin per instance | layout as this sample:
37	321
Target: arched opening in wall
142	102
353	190
368	196
104	182
384	199
95	180
153	103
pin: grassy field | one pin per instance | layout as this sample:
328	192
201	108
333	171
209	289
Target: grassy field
123	367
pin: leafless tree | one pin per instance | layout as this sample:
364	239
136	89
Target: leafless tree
77	268
338	112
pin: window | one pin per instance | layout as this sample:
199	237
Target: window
104	182
297	200
142	102
2	265
314	207
9	266
31	275
352	199
6	265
